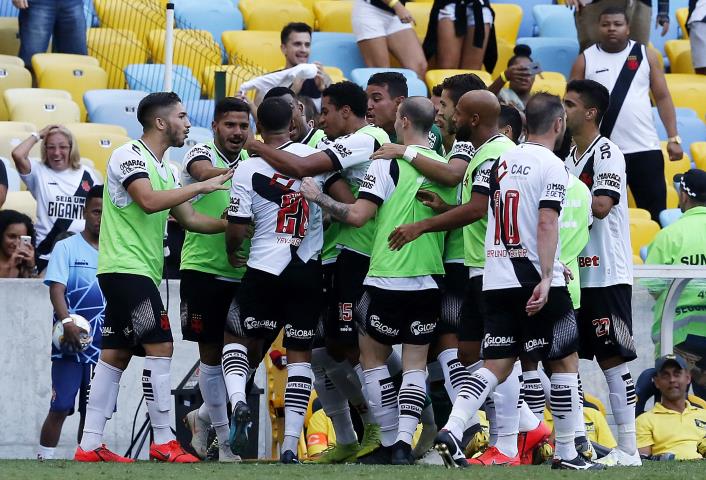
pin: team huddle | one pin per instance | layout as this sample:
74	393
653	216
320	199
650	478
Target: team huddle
436	231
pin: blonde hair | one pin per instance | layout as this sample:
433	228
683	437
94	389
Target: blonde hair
74	155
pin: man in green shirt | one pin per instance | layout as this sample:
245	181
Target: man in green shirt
140	194
401	299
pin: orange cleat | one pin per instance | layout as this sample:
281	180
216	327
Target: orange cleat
100	454
493	456
171	452
528	441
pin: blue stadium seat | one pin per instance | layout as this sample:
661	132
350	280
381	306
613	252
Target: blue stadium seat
691	129
196	135
13	178
150	78
553	54
339	51
669	216
7	9
528	24
118	107
214	16
554	21
201	112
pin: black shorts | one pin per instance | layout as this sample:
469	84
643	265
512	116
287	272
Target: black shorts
395	316
605	323
452	288
266	303
134	313
471	325
551	334
205	301
350	271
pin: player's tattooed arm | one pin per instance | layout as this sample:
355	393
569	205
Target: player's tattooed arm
356	214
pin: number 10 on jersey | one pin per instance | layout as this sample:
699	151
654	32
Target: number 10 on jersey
506	218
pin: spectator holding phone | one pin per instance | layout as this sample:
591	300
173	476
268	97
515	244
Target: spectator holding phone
16	245
519	78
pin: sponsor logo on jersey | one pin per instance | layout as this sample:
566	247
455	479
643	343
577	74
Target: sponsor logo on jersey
368	181
555	190
694	259
535	343
107	331
520	169
250	323
375	322
234	206
689	309
302	334
419	328
132	165
502	170
490	341
463	148
343	152
608	179
585	262
700	423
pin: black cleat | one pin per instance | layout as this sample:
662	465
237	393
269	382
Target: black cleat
450	450
240	423
288	457
380	456
401	454
585	448
578	463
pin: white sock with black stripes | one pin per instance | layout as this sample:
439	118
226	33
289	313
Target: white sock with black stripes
365	411
215	398
469	399
622	403
156	384
382	398
454	373
506	397
333	402
296	401
236	370
411	402
534	393
105	385
580	424
564	400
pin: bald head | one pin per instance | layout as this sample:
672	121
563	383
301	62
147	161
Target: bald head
482	103
419	111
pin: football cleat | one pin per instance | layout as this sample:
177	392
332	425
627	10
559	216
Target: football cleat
339	453
199	433
426	440
450	450
584	447
527	442
401	454
370	441
493	456
226	455
171	452
240	424
478	443
379	456
100	454
578	463
288	457
618	458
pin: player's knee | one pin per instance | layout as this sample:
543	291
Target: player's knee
211	353
164	349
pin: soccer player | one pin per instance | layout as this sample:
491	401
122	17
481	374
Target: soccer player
73	288
138	197
281	288
208	281
401	300
511	123
605	265
301	132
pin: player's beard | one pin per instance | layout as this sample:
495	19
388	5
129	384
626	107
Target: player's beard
463	133
175	139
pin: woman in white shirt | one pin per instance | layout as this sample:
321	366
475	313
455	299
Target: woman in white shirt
59	184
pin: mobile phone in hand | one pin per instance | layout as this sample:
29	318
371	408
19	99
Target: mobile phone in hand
534	68
26	240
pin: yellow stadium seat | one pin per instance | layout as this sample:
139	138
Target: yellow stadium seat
505	52
672	196
631	199
14	95
12	76
11	60
679	54
9	36
17	126
139	16
698	154
274	16
115	50
235	76
195	49
333	16
99	146
10	138
76	79
261	49
22	202
41	61
641	233
688	91
46	112
420	12
552	82
435	77
674	168
335	73
637	260
682	14
507	21
246	6
100	128
658	55
639	213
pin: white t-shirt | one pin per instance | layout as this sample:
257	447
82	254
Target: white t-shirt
60	199
607	258
285	222
350	155
523	180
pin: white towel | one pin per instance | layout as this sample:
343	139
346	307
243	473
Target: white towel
282	78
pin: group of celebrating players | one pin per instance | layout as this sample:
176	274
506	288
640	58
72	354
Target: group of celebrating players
451	239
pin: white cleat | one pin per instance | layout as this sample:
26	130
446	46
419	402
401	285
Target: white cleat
618	458
426	440
199	433
432	457
225	455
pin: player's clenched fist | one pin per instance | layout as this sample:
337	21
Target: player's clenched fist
310	189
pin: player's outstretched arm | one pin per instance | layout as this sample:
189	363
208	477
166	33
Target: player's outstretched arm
290	164
202	169
356	214
446	174
152	201
194	221
547	239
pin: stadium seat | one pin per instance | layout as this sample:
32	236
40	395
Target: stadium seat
656	38
679	54
118	107
341	52
141	17
201	112
11	60
682	14
690	128
14	95
259	51
84	128
12	76
194	49
9	36
99	146
420	11
528	25
333	16
672	196
505	52
41	61
22	202
75	79
507	21
274	16
17	126
246	6
637	260
335	73
669	216
641	233
553	54
698	154
435	77
13	178
43	112
235	76
196	135
551	82
150	78
214	16
10	138
115	50
554	21
674	168
639	213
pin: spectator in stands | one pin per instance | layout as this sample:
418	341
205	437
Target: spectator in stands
453	38
674	425
696	24
630	71
638	11
519	77
59	183
16	245
3	183
296	48
382	27
511	123
41	20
